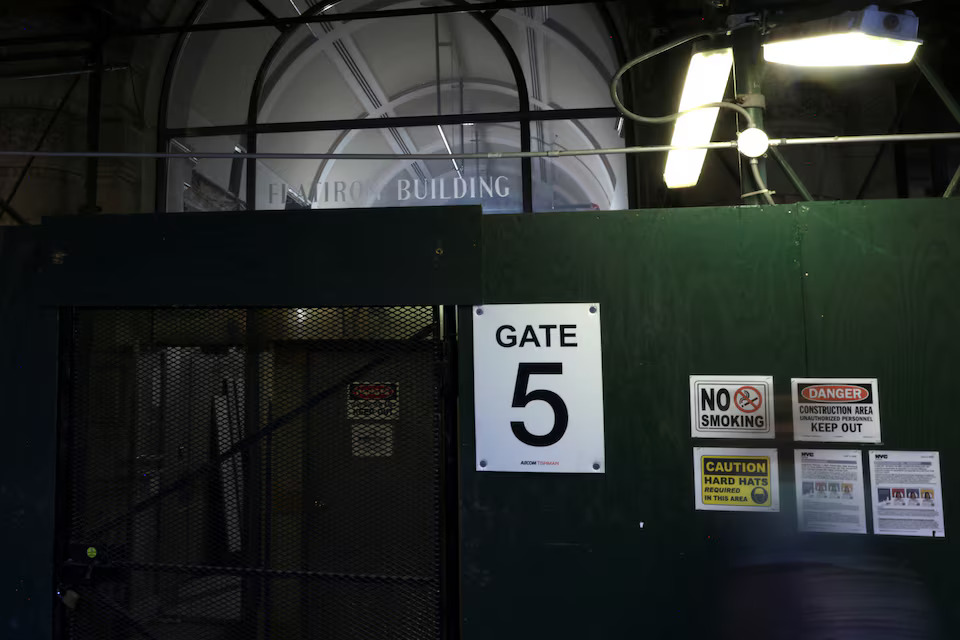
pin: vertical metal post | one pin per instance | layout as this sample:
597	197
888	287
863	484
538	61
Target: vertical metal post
163	140
523	96
251	190
252	585
463	149
449	473
268	530
66	416
526	168
629	131
309	521
94	99
748	87
436	51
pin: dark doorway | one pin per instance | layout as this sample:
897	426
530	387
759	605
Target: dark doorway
254	473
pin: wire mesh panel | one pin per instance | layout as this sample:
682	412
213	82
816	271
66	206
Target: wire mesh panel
253	473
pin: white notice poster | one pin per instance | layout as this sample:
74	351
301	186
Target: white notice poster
830	490
907	495
836	409
731	407
538	387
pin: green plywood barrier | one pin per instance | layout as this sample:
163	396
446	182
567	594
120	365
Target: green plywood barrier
826	289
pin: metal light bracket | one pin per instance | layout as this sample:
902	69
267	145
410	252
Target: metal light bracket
752	100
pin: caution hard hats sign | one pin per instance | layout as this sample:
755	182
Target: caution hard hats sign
736	479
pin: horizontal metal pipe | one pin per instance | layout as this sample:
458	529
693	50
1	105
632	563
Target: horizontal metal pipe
58	74
732	144
358	156
251	571
395	121
885	137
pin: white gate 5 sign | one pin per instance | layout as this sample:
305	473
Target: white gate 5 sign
538	387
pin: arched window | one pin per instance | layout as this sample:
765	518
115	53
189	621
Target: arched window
420	79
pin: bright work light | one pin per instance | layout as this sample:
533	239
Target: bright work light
706	81
752	142
855	38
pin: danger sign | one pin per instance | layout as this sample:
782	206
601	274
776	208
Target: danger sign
836	409
731	406
373	400
736	479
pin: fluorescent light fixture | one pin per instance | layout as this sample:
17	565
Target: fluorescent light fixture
853	39
706	81
841	50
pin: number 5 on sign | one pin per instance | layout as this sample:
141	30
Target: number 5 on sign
538	388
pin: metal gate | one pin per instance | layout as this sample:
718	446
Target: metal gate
253	473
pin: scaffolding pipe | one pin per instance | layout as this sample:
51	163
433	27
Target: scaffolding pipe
732	144
60	74
949	102
791	175
885	137
941	89
954	183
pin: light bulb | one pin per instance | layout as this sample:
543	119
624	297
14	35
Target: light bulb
753	142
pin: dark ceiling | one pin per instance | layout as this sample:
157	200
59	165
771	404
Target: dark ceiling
642	24
37	19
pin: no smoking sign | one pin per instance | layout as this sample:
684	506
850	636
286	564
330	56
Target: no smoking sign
731	407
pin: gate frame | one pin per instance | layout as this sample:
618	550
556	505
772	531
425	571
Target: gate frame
379	257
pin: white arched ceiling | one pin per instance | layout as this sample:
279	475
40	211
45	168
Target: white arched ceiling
381	68
297	83
395	58
475	86
397	52
576	133
216	71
